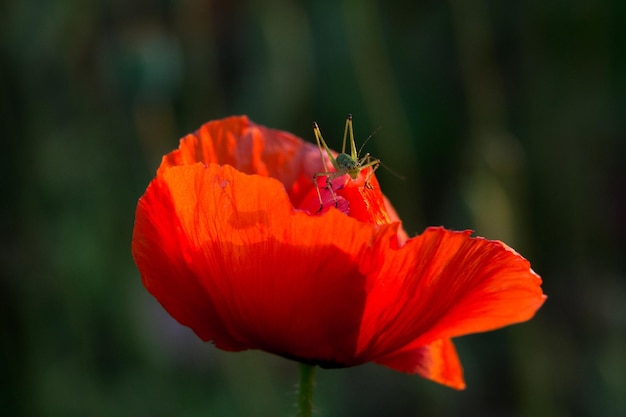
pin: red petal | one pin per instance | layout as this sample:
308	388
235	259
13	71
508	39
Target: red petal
251	149
161	251
437	361
227	255
443	284
367	203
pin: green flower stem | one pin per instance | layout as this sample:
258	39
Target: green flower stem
305	394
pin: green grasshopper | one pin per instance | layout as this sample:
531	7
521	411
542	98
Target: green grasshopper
344	164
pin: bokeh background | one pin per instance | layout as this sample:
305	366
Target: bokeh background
505	117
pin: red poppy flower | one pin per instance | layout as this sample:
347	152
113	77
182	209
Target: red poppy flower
229	240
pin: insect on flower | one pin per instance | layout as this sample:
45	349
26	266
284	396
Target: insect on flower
344	164
227	208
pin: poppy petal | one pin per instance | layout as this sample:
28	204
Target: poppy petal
367	203
437	361
260	274
444	284
251	149
161	251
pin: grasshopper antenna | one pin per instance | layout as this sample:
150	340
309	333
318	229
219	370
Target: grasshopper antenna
368	138
391	171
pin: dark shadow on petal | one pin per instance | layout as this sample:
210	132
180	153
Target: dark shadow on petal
298	301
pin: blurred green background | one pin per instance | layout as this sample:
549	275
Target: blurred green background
505	117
